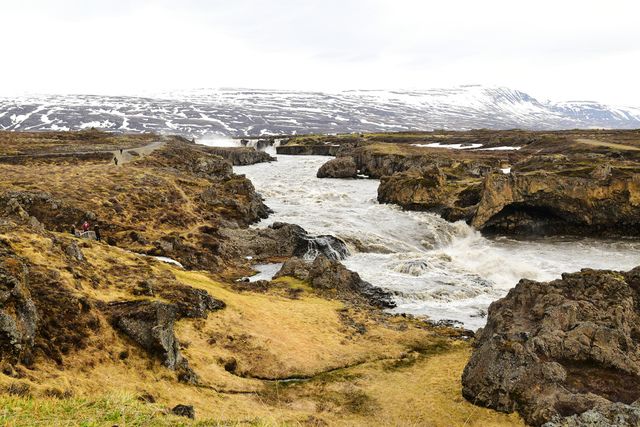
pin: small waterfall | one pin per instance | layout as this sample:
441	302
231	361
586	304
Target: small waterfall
329	246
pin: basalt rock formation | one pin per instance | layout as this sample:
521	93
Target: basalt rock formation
308	150
327	274
415	189
240	156
340	167
531	203
280	240
558	349
533	183
18	315
551	202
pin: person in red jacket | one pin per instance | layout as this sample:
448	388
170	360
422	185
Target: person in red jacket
85	226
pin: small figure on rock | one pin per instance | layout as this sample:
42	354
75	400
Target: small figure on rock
85	226
115	160
121	151
96	229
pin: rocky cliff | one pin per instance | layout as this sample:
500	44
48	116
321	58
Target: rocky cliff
507	183
558	349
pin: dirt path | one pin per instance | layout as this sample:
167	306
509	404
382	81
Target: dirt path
125	156
608	144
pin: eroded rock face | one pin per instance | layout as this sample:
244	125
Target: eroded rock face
551	202
240	156
340	167
327	274
280	240
616	415
151	325
561	348
416	189
376	165
294	267
73	250
18	315
543	202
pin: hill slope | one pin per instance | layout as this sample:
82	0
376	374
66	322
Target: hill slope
244	112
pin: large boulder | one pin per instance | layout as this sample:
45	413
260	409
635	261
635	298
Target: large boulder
280	240
415	189
329	274
151	325
340	167
560	348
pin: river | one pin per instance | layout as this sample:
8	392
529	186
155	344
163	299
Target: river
436	269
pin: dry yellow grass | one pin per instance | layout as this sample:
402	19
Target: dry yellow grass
393	374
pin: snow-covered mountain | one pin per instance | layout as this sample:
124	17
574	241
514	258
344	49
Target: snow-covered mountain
244	112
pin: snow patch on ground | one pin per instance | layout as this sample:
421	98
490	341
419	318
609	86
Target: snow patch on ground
450	146
500	148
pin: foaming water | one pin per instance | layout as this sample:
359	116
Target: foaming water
446	271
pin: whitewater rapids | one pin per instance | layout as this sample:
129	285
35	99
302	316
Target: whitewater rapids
436	269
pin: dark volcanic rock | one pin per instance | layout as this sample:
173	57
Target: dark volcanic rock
308	150
10	337
280	240
73	250
425	192
294	267
151	325
560	348
18	314
191	302
616	415
376	165
340	167
184	411
544	202
325	273
240	156
210	196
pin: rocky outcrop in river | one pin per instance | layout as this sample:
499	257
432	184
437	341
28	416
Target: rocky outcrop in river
340	167
327	274
559	349
555	202
239	156
522	183
527	203
280	240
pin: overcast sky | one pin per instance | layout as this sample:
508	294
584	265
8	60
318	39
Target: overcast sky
550	49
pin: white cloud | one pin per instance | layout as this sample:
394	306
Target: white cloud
553	49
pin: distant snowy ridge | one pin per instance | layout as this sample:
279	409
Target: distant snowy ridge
244	112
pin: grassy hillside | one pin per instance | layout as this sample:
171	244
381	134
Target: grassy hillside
281	353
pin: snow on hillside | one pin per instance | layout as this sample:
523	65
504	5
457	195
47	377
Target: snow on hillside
240	112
